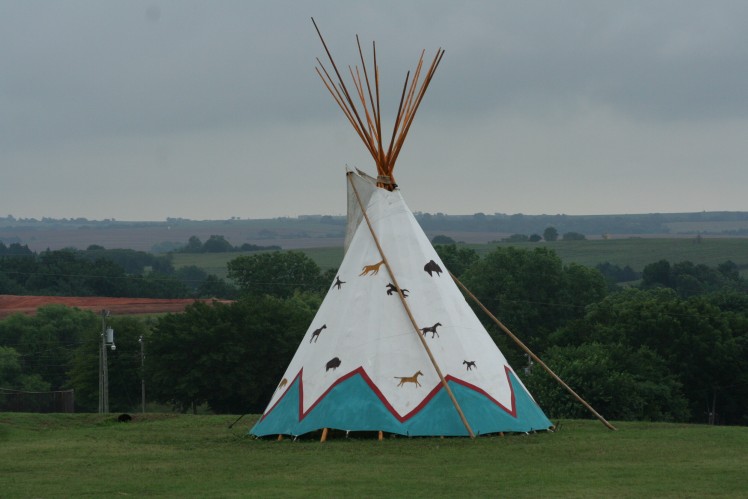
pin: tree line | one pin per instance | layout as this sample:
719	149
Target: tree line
101	272
219	244
672	347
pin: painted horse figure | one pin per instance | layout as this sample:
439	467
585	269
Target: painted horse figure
409	379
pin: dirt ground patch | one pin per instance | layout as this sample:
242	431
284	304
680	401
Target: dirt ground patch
11	304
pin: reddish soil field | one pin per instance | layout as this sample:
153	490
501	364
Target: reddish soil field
11	304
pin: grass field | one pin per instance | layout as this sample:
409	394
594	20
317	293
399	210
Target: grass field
635	252
89	455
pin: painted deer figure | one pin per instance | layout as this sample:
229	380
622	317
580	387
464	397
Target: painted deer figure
374	269
409	379
315	333
470	364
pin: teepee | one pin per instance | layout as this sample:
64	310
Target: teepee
394	346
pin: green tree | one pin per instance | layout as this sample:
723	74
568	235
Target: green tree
46	342
194	245
277	273
517	238
191	276
550	234
442	239
217	244
228	355
531	291
619	381
213	287
656	274
457	260
573	236
702	340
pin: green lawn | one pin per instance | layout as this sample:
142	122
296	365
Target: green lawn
86	455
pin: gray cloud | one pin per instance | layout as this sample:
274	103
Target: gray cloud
219	101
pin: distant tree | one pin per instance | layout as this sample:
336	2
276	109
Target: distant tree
217	244
615	274
191	276
442	239
277	273
15	249
535	238
9	286
213	287
729	270
550	234
573	236
656	274
689	279
516	238
194	245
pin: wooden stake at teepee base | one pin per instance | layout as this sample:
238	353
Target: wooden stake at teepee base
531	354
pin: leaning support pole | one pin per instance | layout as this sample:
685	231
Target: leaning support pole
410	314
531	354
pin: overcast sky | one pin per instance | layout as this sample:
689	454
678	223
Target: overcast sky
142	110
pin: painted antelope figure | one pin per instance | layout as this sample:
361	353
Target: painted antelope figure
391	288
338	283
470	364
431	329
374	269
409	379
315	333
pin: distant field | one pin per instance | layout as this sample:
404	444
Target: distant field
215	263
167	455
715	226
635	252
638	252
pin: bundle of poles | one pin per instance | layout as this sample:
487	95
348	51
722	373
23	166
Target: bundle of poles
369	126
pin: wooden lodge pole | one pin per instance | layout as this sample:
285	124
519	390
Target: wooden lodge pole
531	354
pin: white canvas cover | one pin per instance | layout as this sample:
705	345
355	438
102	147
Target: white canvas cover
362	327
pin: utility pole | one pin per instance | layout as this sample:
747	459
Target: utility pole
142	370
107	338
